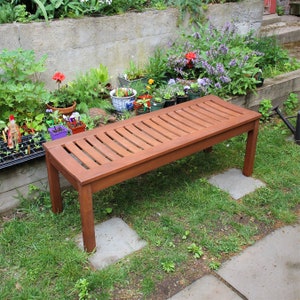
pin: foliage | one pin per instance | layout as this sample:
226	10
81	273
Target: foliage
156	67
291	103
221	58
274	59
89	89
133	72
82	287
58	9
264	108
20	90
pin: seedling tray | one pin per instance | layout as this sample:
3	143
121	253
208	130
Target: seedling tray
30	148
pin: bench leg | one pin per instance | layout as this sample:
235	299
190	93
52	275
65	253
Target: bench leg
250	150
87	218
54	187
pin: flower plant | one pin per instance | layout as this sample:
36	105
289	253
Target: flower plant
220	58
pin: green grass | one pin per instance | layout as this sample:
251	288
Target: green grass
172	208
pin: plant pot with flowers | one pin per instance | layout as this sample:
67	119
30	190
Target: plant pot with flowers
54	121
142	105
123	98
74	123
62	99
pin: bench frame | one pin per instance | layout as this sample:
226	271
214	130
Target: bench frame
231	120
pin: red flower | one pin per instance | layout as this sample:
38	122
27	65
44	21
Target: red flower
59	77
191	55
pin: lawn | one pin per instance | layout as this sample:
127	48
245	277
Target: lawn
190	226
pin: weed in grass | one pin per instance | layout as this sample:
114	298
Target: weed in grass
81	286
214	265
195	250
168	266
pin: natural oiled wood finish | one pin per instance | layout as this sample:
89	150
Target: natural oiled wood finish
99	158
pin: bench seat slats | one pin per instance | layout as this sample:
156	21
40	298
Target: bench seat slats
221	108
142	136
187	119
101	147
182	124
134	136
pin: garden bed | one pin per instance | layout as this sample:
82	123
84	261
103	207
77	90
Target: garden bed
30	148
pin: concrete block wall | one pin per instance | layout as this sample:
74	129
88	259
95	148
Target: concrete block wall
74	46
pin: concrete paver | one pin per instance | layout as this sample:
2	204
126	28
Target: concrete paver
206	288
270	269
114	239
235	183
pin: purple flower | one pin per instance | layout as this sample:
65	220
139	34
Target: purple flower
218	85
196	36
223	49
246	57
225	79
204	81
171	81
220	68
232	63
210	69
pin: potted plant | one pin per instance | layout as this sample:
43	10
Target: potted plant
181	94
168	94
54	120
74	123
62	99
132	74
157	103
194	90
58	131
142	104
122	98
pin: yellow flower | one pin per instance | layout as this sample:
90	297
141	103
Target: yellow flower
150	81
148	87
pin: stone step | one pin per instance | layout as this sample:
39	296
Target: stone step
286	28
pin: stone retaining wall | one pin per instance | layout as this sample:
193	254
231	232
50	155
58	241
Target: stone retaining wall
76	45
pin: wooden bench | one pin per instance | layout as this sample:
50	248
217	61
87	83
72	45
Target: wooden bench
102	157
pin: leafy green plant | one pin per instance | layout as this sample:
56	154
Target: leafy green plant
133	72
168	266
81	286
20	90
156	67
214	265
264	108
291	103
195	250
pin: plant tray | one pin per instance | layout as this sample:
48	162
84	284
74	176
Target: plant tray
30	148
